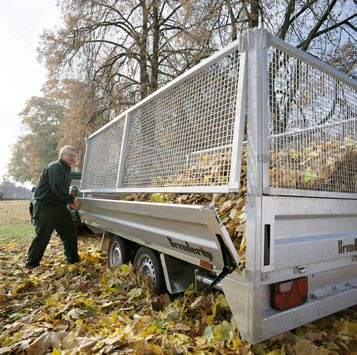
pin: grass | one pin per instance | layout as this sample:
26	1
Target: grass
15	224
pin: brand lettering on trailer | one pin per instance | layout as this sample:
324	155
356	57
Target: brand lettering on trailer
187	247
346	248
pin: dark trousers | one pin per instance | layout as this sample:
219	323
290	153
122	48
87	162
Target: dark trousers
48	218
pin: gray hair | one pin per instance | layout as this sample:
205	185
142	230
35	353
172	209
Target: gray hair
66	149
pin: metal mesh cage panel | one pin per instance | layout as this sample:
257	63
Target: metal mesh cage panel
183	137
313	131
102	157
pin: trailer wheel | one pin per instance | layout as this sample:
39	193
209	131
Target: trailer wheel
147	262
118	253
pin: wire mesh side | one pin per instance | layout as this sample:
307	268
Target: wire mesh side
183	137
102	157
313	133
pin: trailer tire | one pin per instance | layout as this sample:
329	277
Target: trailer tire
118	252
147	262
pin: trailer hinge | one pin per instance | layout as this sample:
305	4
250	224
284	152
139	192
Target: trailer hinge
225	271
229	264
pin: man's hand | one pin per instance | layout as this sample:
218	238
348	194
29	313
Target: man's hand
77	203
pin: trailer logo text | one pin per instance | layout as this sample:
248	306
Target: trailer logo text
346	248
190	249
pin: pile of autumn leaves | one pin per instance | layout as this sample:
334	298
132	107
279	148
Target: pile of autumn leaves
88	308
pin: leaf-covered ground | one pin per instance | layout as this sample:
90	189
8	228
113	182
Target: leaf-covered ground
88	308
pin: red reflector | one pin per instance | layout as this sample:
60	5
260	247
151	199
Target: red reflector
206	265
289	294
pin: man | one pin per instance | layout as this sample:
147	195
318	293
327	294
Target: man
50	209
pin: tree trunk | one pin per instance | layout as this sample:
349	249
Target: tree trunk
254	13
155	47
144	77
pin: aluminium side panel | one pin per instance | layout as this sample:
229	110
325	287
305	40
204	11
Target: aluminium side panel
191	233
313	234
313	238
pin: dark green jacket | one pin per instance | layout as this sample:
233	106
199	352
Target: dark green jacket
53	186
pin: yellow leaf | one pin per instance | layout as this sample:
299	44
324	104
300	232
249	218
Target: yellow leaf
222	180
210	319
135	292
157	198
294	154
104	280
11	245
151	349
56	352
243	243
182	337
126	268
153	329
308	176
236	342
50	302
206	179
222	332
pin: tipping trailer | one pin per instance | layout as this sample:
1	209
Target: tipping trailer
295	119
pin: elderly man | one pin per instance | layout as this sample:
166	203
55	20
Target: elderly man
50	209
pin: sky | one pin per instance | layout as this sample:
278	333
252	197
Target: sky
21	76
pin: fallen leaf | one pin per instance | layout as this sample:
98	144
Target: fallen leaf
44	342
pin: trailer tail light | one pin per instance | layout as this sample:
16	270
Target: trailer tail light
289	294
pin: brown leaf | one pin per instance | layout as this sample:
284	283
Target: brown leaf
44	342
85	286
306	347
161	301
149	349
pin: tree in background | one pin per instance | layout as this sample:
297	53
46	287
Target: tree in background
80	104
112	53
41	117
319	27
8	190
125	50
77	102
